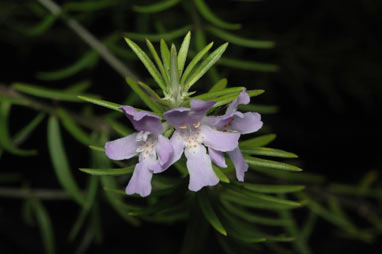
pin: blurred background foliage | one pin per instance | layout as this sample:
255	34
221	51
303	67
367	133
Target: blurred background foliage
319	64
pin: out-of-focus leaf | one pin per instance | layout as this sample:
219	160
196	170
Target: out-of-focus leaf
183	51
109	172
25	132
73	128
120	128
209	213
5	139
10	177
220	85
252	217
292	176
205	65
89	200
89	59
144	96
194	62
253	161
43	26
244	42
103	103
79	87
60	162
84	6
169	36
248	65
147	62
254	202
348	189
222	177
266	151
258	141
211	17
158	62
156	7
273	188
44	92
45	224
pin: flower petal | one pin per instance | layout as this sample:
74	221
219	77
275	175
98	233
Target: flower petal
243	98
217	157
218	140
143	121
140	182
164	150
123	148
219	122
177	117
200	168
246	123
238	161
177	144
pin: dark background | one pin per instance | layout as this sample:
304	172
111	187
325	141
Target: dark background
328	90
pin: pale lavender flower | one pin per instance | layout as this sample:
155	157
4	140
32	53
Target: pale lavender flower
193	136
155	150
235	122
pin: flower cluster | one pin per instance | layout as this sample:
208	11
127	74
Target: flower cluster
203	140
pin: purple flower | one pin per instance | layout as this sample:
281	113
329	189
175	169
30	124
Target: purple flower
193	136
235	121
154	149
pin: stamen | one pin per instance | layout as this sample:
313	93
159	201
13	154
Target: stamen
183	127
196	125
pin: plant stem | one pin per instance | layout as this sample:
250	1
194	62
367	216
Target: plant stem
90	39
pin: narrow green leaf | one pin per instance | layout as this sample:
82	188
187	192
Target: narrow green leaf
156	7
97	148
60	161
255	92
220	85
234	39
258	141
169	36
205	65
183	51
145	98
90	197
5	139
212	95
166	56
194	62
261	108
174	72
109	172
44	92
262	188
291	176
266	151
73	128
228	98
25	132
103	103
247	65
45	224
147	62
89	59
158	62
253	161
209	213
222	177
154	97
206	12
43	26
